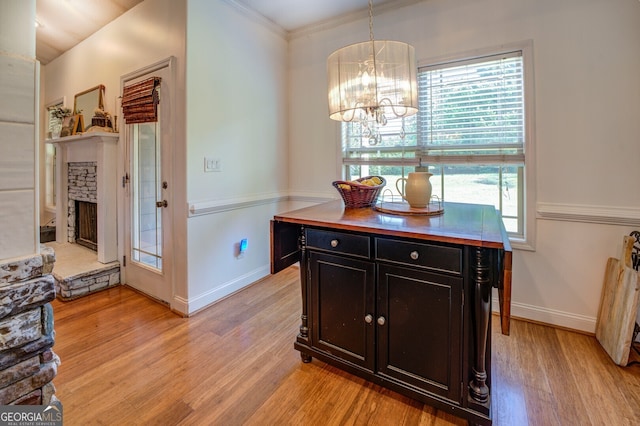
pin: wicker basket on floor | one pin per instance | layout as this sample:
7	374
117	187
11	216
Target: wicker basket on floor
357	195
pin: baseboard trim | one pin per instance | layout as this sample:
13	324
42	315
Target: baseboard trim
552	317
180	306
210	297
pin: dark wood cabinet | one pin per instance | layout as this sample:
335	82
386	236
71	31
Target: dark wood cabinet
419	319
342	295
403	302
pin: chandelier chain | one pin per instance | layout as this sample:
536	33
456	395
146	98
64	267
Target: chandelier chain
370	20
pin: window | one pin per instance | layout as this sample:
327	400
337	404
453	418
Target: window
50	157
471	132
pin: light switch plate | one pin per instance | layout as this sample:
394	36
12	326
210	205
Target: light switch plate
212	164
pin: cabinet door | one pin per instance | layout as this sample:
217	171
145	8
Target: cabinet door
418	321
284	245
342	303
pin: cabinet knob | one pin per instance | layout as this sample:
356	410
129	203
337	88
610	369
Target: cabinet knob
334	243
368	319
414	255
381	321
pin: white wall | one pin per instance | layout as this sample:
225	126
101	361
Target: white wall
19	87
152	31
237	112
587	93
232	104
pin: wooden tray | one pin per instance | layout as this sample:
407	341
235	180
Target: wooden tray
618	305
402	208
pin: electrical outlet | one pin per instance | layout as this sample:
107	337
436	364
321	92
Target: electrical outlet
212	164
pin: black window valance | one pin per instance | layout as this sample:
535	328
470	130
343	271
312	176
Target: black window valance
140	101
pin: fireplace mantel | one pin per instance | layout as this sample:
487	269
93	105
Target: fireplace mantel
101	148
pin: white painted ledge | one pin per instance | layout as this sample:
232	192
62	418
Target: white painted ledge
625	216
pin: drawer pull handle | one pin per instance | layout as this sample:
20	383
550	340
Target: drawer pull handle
414	255
381	321
334	243
368	319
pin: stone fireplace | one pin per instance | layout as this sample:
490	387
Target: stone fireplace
86	170
82	213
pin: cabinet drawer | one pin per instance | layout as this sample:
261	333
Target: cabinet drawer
338	242
418	254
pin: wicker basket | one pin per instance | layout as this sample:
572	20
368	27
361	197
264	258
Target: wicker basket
356	195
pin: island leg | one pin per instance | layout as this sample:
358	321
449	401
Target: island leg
478	388
304	325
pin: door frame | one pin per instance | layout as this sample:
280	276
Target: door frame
168	64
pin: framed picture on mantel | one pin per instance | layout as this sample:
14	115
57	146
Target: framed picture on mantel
72	125
78	125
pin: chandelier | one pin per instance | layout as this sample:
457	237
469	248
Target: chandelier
372	80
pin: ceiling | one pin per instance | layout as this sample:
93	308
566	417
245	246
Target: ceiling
61	24
65	23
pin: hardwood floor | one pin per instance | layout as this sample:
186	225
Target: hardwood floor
128	360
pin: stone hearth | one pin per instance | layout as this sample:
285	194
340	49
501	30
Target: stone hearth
78	273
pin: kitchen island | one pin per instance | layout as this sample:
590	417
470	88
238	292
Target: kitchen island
401	300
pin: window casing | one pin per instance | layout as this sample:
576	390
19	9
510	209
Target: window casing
50	157
473	131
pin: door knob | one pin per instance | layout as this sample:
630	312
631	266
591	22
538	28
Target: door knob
162	203
381	321
368	319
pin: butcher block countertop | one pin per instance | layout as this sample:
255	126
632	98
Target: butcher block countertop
469	224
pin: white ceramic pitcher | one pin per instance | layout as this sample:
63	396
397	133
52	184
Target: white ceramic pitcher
416	189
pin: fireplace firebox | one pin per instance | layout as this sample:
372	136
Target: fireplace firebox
86	227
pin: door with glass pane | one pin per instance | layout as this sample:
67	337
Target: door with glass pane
148	187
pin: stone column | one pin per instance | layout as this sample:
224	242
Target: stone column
27	362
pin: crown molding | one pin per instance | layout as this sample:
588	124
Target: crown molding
257	17
356	15
321	25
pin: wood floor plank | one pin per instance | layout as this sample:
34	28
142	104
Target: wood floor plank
129	360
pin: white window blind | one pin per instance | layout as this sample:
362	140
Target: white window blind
472	111
397	143
51	120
